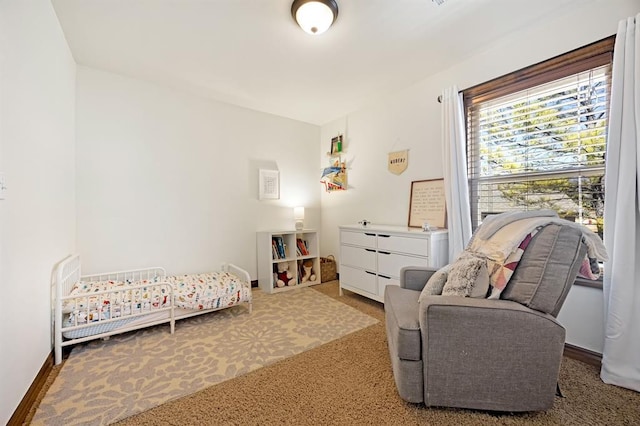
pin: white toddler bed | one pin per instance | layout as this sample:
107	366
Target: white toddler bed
101	305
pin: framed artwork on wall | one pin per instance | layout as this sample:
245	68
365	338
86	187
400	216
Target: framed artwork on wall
427	204
269	184
336	145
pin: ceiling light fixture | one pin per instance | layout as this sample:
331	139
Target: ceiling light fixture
314	16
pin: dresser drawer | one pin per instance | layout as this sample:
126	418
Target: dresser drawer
389	264
363	280
365	239
357	256
384	281
409	245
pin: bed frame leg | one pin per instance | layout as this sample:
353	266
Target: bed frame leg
58	355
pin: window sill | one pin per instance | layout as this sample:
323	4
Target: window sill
583	282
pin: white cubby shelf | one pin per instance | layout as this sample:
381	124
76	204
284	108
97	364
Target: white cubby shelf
293	247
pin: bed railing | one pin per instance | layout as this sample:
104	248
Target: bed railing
116	304
240	273
67	274
130	275
88	311
237	271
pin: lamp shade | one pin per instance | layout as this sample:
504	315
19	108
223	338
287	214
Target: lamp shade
314	16
298	215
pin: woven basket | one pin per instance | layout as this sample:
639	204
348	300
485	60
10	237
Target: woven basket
328	270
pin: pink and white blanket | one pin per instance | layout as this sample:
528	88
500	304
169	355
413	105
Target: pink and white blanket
503	238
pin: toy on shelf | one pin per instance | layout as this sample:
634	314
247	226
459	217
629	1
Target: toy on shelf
307	271
334	178
283	277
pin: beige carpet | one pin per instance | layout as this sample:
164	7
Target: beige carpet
349	382
104	381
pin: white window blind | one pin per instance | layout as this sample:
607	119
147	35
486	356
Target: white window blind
543	147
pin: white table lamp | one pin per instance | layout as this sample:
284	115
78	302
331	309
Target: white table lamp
298	215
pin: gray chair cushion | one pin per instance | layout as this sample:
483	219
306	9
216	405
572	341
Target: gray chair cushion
547	269
402	321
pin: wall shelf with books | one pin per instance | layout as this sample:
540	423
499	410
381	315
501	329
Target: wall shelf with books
295	251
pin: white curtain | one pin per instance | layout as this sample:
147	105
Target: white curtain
621	354
454	160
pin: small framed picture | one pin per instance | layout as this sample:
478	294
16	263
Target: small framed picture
336	144
269	184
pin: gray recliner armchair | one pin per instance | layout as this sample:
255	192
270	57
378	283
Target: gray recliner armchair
490	354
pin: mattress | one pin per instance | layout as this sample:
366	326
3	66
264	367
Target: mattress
108	326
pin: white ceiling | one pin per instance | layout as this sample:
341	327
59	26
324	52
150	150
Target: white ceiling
251	53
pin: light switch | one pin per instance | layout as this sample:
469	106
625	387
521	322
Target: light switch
3	186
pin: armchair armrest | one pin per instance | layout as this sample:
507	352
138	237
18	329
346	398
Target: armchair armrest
415	277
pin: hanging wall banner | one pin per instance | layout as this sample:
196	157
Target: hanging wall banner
398	161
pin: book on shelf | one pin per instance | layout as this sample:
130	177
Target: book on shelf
302	246
280	247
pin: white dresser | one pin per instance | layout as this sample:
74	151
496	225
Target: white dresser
371	256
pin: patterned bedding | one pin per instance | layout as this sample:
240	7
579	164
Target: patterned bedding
90	303
209	291
87	302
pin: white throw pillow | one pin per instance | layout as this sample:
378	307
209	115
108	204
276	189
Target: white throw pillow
436	282
467	273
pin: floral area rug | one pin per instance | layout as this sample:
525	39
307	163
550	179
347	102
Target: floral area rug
105	381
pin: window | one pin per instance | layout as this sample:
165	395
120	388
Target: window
536	138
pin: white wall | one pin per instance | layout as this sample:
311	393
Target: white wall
411	119
167	178
37	218
582	315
